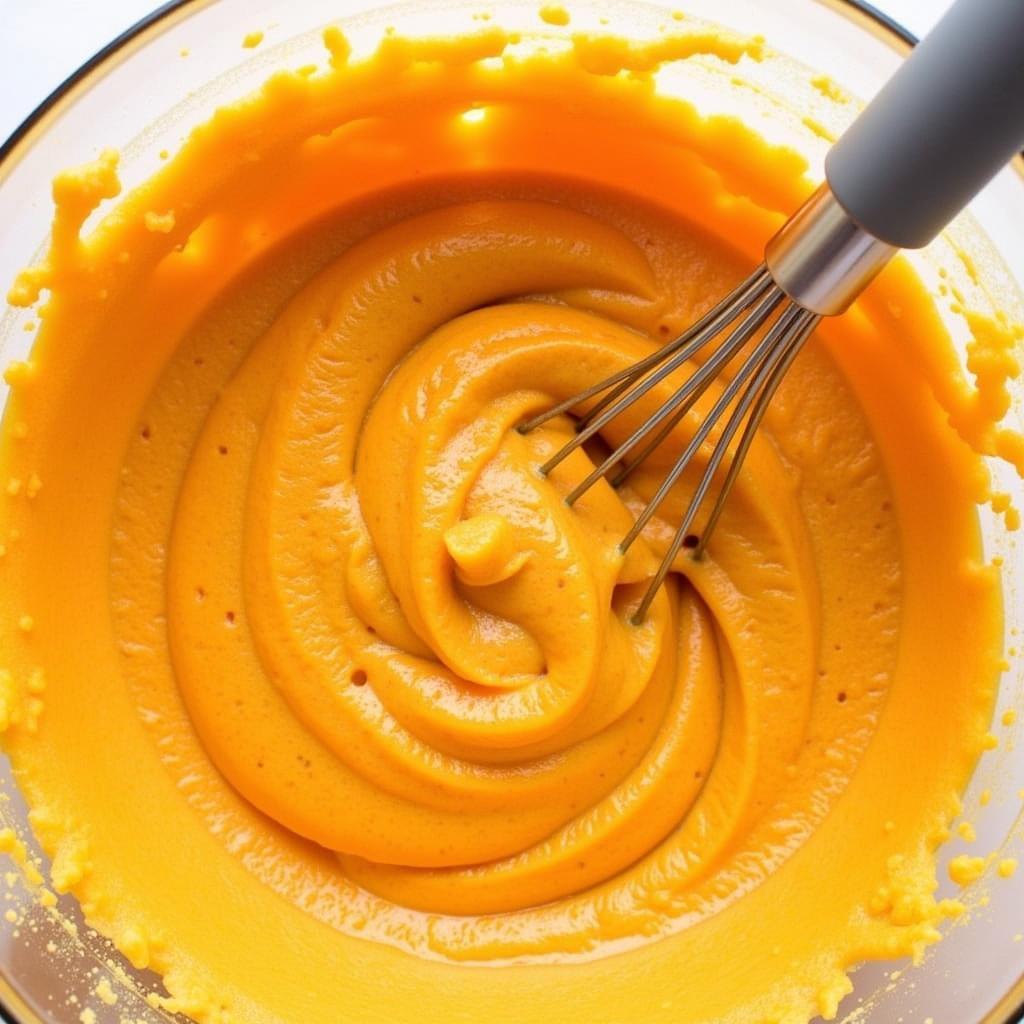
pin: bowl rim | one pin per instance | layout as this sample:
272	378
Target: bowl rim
1010	1008
63	95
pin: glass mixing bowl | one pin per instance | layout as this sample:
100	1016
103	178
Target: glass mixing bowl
147	88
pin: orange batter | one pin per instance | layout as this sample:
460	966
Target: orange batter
329	709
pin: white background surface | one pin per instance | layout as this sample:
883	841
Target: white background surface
43	41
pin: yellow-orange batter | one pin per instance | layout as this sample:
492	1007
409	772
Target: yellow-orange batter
329	709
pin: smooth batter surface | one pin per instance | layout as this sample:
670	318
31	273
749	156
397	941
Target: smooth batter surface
329	709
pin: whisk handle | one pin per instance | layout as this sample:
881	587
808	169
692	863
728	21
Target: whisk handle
939	129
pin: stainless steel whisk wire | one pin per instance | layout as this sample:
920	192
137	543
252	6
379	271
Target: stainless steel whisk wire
761	372
944	124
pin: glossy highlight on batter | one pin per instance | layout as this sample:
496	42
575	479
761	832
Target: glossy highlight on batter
323	649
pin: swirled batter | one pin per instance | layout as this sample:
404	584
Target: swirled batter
329	708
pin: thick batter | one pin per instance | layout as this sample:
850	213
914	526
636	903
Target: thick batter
329	709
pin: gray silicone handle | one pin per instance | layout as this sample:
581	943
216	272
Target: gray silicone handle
940	128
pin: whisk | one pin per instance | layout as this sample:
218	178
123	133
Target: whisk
943	125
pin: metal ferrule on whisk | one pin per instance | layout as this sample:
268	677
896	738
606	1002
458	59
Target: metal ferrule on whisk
822	258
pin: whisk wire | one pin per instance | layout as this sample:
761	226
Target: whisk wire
670	362
771	360
684	398
693	338
762	352
742	402
804	330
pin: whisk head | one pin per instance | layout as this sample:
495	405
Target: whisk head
733	324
